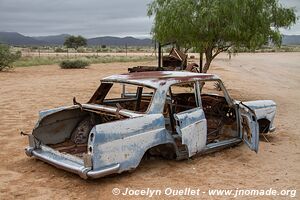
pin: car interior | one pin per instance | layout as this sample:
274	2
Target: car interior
221	118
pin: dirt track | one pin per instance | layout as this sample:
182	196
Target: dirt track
275	76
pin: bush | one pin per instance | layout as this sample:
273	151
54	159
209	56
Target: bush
60	50
74	64
81	50
7	57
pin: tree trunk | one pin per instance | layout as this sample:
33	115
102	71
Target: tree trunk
201	62
209	58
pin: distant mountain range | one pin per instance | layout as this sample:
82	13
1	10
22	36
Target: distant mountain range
17	39
52	39
291	39
13	38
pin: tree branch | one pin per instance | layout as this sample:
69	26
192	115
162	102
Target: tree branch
219	50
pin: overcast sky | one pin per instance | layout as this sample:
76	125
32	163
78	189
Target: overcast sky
89	18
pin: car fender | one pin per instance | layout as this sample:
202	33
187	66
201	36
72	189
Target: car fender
263	109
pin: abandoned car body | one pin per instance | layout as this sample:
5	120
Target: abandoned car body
171	114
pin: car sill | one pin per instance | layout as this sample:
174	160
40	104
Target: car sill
222	144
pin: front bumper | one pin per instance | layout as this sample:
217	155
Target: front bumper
69	163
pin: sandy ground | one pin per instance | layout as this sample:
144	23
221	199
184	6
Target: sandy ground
25	91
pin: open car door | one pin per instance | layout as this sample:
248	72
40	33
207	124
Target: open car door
191	126
249	127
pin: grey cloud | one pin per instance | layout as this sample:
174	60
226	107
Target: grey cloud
89	18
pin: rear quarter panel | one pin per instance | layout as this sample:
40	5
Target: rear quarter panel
125	142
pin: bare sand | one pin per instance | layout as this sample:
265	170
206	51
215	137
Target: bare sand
25	91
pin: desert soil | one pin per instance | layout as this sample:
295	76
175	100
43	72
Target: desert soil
25	91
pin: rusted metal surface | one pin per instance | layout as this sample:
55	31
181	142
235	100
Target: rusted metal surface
175	61
156	79
101	137
143	69
192	67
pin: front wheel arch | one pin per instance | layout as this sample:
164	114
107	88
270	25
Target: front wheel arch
264	125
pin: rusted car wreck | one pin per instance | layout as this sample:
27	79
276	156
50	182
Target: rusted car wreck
171	114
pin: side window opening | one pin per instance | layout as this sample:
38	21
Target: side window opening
183	97
180	98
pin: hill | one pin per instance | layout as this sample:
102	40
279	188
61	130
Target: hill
291	39
17	39
53	39
14	38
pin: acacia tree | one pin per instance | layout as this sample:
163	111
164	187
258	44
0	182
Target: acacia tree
213	26
75	42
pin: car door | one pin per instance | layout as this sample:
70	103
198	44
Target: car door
191	126
249	127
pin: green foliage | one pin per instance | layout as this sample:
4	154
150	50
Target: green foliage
60	50
81	50
212	26
74	64
7	57
75	42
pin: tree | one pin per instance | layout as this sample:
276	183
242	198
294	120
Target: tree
7	57
75	42
213	26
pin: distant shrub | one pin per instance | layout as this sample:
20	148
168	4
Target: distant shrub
7	57
81	50
105	50
74	64
60	50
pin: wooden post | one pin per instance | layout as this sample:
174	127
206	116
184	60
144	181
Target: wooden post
159	55
201	62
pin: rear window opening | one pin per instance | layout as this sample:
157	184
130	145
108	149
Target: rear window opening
131	97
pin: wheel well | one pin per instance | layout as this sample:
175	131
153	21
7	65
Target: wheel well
264	125
164	150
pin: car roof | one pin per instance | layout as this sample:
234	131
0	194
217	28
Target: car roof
157	79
